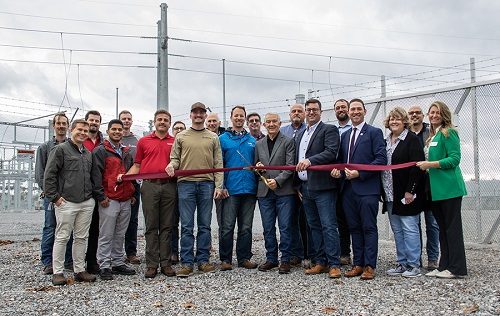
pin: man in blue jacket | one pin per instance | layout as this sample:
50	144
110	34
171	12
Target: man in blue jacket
238	148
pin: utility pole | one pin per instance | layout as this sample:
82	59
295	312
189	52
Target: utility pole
224	92
162	73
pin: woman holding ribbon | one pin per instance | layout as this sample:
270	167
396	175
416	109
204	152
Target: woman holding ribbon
404	192
447	188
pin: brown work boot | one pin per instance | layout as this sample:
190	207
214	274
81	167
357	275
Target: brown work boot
168	271
151	273
133	259
368	273
334	273
226	266
48	269
84	276
247	264
355	271
58	279
285	267
317	269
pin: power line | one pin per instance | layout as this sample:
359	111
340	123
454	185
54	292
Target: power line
74	20
305	54
79	50
336	43
75	33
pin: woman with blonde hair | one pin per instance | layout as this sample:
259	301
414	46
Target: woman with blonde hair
404	192
447	188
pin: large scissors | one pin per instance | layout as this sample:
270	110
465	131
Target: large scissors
257	171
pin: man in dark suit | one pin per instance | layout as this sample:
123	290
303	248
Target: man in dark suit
362	144
318	145
276	194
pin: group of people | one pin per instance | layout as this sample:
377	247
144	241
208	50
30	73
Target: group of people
321	212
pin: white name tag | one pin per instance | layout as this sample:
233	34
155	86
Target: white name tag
433	144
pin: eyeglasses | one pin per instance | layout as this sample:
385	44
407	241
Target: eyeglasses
314	110
254	121
178	128
414	112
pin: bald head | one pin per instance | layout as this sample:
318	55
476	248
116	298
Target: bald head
416	115
297	115
213	122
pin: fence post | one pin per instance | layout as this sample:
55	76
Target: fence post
475	143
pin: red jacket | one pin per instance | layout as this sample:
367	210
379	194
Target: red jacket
106	167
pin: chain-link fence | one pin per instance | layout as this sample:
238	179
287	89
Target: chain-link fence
475	108
475	113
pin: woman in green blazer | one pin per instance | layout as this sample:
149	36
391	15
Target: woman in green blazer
447	188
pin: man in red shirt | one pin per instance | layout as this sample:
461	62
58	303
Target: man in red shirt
95	138
159	196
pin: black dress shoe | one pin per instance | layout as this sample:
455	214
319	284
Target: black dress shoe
106	274
123	269
93	268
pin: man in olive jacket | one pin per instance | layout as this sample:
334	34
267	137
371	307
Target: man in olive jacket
68	185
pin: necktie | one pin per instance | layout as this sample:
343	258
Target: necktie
351	146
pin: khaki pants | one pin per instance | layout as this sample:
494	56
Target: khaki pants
72	217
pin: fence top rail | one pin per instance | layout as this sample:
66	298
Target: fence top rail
425	93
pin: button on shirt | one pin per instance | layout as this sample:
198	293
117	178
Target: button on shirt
304	143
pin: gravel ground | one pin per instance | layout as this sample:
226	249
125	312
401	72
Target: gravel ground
26	291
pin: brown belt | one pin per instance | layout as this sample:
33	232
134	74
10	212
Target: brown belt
162	181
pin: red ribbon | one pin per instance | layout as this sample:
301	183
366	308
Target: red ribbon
328	168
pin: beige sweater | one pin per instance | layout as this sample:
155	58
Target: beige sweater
193	150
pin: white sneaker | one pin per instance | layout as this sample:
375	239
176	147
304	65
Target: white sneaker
432	273
412	272
397	270
445	274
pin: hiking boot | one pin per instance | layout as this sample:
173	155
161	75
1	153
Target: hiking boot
58	279
133	259
285	267
84	277
226	266
268	266
168	271
206	268
184	272
151	273
106	274
123	269
247	264
48	269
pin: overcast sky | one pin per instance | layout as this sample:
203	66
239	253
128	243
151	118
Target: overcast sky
273	50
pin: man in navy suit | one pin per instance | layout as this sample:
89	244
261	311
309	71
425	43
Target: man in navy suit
362	144
318	145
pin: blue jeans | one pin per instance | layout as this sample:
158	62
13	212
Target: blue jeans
407	237
48	236
432	233
271	207
195	196
239	207
131	234
319	206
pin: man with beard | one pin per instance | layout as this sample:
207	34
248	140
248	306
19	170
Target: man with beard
159	196
129	139
341	107
300	231
94	139
68	184
196	148
60	124
318	145
421	129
